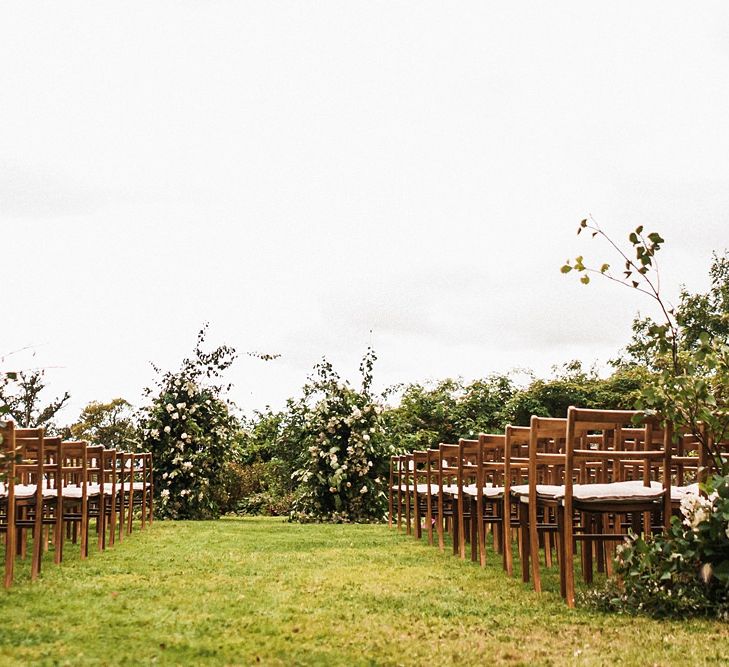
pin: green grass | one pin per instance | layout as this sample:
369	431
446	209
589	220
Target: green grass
248	591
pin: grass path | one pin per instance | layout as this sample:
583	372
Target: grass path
261	591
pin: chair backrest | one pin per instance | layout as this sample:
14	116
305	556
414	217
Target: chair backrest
547	455
632	446
491	461
74	463
30	452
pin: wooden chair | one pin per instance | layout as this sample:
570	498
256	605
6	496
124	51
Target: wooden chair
75	493
449	456
488	493
599	486
28	491
21	495
111	491
516	465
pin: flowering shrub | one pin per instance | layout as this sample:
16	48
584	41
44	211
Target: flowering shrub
681	573
344	464
192	434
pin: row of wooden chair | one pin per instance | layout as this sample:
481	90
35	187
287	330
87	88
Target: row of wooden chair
55	489
569	488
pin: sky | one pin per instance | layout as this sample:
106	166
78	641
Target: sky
315	177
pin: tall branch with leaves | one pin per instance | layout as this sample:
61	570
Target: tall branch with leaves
690	386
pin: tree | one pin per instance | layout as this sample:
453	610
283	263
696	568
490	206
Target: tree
109	424
20	397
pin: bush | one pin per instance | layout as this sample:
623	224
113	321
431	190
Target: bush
192	434
344	469
685	572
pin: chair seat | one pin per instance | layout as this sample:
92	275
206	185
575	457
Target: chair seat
139	486
423	488
21	490
76	491
488	491
678	492
611	492
450	490
616	492
544	491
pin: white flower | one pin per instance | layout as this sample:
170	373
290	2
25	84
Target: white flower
187	465
332	489
175	415
165	493
155	433
363	490
167	429
356	413
183	436
169	407
349	485
366	437
181	406
164	476
184	492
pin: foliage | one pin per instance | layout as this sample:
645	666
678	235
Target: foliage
691	363
261	487
573	385
110	424
192	434
343	469
20	397
685	572
447	411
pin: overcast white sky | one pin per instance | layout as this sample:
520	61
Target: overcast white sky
300	173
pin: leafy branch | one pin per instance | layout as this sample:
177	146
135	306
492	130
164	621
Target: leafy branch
639	273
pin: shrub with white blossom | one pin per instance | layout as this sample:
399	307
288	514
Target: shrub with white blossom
192	434
343	473
685	572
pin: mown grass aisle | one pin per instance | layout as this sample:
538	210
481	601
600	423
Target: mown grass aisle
244	591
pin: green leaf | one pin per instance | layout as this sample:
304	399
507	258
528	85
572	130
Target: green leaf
566	268
604	268
585	279
633	238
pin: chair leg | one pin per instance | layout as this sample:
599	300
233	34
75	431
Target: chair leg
569	557
534	547
10	538
508	551
524	541
461	528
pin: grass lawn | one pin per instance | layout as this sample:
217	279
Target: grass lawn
246	591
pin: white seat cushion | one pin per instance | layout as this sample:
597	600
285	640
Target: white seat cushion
76	491
678	492
450	489
25	490
423	488
139	486
544	491
488	491
616	492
